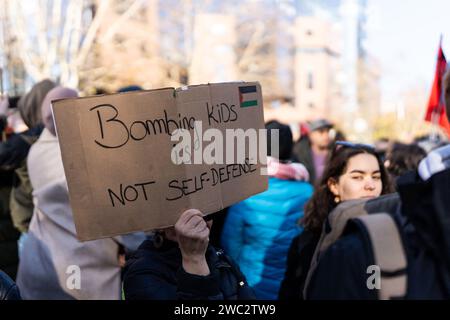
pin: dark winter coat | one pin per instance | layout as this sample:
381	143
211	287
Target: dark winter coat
424	222
299	260
302	153
8	289
13	156
8	234
156	273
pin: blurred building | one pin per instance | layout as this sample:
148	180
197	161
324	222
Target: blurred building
12	70
369	91
410	114
316	68
127	49
361	77
213	56
335	77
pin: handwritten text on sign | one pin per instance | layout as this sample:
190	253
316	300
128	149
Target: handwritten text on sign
129	158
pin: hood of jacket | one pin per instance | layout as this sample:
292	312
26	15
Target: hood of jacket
30	104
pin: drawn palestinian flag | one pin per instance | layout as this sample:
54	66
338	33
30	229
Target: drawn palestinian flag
248	96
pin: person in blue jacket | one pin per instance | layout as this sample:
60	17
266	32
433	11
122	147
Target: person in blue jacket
258	231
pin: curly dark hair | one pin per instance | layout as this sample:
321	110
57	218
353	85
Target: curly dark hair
322	201
403	158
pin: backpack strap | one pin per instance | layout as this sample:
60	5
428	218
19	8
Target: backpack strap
337	220
388	252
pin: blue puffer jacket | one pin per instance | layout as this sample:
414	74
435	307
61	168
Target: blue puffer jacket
259	230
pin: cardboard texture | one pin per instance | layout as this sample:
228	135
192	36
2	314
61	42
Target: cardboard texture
116	151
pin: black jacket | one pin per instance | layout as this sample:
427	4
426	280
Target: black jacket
302	153
9	235
157	274
13	155
15	150
299	260
424	222
8	289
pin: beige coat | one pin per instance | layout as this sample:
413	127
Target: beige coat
52	256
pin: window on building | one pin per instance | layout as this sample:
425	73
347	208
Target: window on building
310	80
311	105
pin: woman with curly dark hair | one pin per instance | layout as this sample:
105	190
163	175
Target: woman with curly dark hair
402	158
354	171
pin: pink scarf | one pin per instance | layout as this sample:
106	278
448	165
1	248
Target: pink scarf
286	171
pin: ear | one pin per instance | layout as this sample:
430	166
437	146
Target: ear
333	186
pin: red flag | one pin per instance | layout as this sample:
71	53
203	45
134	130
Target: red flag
436	104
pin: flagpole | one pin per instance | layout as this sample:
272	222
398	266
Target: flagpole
434	126
435	115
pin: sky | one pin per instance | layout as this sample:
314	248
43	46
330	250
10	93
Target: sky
403	35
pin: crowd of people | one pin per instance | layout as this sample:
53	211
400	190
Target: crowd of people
339	220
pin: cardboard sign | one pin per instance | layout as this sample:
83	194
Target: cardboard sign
118	155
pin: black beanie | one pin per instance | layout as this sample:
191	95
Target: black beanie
285	142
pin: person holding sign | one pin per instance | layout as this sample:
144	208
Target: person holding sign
179	263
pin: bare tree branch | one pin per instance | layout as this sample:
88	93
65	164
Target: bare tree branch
89	39
255	41
54	38
123	18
